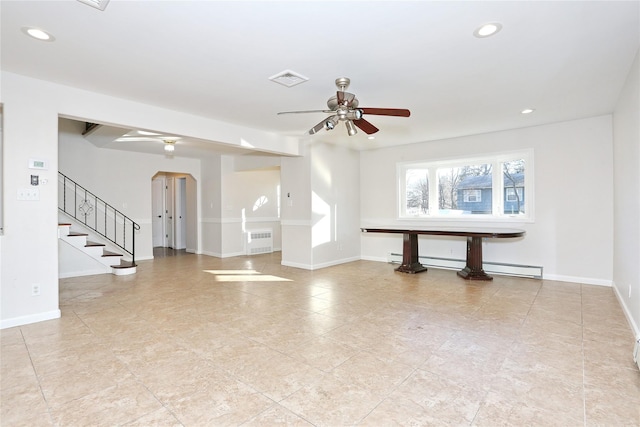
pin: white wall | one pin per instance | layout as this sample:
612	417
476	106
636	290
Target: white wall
121	178
571	236
251	201
229	197
211	233
30	242
320	207
335	204
295	216
626	143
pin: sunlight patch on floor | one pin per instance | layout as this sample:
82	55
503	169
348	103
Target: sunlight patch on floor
244	276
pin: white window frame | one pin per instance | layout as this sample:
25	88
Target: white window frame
498	197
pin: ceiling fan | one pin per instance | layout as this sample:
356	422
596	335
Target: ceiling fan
343	107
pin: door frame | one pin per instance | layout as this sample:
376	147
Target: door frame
179	200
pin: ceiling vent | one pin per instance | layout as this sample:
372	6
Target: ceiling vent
288	78
98	4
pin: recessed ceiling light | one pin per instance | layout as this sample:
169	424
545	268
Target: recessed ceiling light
527	111
487	29
371	137
37	33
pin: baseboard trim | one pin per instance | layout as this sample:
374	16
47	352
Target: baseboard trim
84	273
559	278
581	280
625	309
319	266
219	255
32	318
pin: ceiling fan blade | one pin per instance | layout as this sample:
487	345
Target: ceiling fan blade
399	112
365	126
345	98
305	111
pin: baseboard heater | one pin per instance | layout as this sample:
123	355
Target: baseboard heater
531	271
259	241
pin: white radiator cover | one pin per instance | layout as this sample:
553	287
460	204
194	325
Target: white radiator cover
259	241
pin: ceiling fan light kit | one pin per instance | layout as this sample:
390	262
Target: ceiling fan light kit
169	146
343	107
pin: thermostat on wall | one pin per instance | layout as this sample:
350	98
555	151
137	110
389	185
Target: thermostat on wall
37	164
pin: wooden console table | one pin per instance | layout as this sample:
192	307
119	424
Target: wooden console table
472	271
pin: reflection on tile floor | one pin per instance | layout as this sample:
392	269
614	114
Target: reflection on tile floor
191	341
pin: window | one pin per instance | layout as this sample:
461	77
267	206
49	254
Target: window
472	196
466	188
513	194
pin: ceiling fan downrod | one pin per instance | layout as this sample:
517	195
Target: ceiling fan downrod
343	83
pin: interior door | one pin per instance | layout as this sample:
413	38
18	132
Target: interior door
170	213
158	211
181	213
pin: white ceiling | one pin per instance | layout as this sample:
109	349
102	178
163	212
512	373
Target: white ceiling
567	60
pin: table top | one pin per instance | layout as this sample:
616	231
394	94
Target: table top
448	231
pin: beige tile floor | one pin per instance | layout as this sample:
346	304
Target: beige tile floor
201	341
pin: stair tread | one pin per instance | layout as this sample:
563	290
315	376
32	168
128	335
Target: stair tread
109	253
124	264
64	224
93	244
75	233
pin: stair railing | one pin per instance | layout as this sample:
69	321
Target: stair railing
98	215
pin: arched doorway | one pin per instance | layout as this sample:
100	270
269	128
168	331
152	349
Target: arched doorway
174	211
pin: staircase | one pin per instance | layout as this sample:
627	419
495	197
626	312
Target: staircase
105	223
95	250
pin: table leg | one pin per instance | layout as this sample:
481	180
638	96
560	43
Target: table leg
473	269
410	262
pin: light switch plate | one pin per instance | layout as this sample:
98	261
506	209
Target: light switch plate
28	194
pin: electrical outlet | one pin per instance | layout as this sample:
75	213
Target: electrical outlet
629	291
35	290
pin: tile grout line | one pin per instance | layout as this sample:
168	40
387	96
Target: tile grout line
35	373
584	391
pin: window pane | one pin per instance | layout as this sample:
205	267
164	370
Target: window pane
514	194
465	190
417	190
